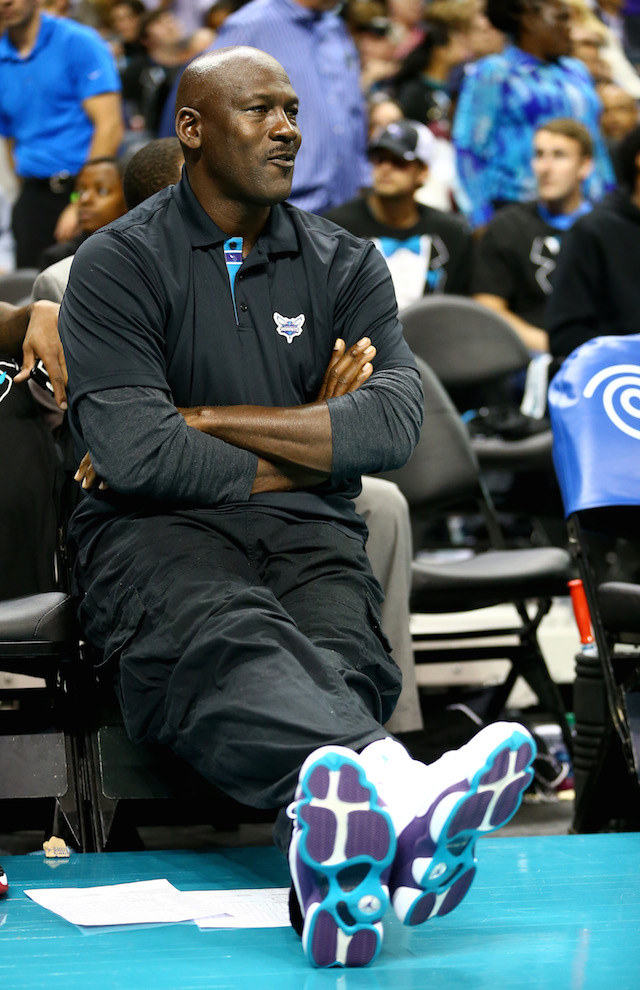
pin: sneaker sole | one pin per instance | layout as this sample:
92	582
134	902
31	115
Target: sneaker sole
347	840
444	875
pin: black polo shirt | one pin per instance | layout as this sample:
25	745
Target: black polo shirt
149	303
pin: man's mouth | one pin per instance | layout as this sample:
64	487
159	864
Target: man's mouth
286	159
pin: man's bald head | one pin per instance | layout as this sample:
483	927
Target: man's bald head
212	72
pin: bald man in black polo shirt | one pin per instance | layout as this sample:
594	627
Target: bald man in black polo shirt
221	564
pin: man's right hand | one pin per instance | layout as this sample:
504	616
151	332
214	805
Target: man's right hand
348	369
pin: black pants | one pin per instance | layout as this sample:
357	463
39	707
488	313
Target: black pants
35	214
245	641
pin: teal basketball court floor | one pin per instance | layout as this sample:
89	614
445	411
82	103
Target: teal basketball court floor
553	912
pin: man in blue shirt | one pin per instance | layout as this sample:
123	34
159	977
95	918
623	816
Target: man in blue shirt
312	43
506	97
59	106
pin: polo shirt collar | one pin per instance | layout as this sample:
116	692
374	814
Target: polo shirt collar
9	53
278	237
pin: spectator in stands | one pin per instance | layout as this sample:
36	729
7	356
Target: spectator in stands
587	43
169	50
607	60
60	106
312	43
506	97
100	198
596	289
619	114
132	58
422	84
370	28
407	29
426	250
515	259
382	112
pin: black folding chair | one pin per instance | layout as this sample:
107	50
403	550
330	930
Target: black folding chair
443	474
474	353
15	287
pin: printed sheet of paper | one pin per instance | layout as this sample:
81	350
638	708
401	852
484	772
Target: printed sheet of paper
250	908
141	902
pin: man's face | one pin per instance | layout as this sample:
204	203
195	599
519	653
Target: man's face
393	177
559	166
100	196
249	137
17	13
549	21
619	112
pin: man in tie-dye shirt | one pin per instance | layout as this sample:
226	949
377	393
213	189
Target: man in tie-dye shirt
506	97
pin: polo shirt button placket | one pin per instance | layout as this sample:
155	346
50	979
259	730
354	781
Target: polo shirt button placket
244	307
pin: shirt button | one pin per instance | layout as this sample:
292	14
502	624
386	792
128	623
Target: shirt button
244	307
240	275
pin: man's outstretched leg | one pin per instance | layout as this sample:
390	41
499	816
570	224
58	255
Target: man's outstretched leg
379	824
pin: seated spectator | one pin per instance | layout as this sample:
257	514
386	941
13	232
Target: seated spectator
426	250
596	288
100	199
380	503
515	260
506	97
619	114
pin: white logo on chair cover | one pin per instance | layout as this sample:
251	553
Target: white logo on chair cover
624	390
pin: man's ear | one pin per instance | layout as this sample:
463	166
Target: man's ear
188	127
585	169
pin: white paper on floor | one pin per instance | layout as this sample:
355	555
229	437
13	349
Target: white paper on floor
159	902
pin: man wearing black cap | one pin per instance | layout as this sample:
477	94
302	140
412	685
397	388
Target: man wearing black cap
426	250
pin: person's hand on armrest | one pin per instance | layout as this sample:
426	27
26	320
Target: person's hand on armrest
42	342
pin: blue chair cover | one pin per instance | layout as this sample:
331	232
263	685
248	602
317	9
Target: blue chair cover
594	404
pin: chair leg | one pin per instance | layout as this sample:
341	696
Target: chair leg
533	668
500	695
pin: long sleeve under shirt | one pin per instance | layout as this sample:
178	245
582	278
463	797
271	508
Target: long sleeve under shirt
165	460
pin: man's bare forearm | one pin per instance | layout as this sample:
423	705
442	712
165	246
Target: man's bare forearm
283	478
296	435
14	321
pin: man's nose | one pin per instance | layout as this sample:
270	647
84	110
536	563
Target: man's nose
284	128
